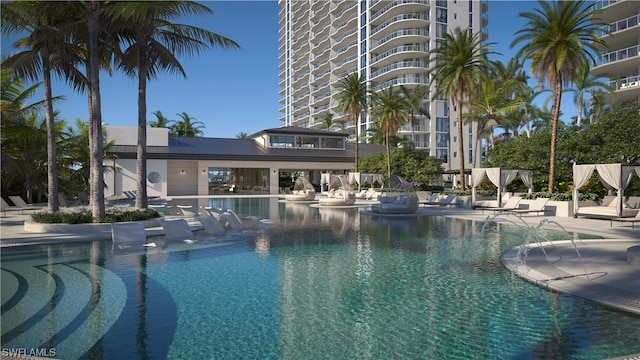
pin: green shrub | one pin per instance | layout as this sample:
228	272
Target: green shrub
83	216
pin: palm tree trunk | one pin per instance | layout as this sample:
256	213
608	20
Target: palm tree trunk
141	154
554	133
388	155
460	139
52	163
95	118
356	115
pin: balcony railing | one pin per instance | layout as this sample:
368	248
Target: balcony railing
398	49
396	3
400	65
620	25
399	18
626	83
405	32
619	55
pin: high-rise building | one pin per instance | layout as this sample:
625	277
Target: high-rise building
388	43
621	58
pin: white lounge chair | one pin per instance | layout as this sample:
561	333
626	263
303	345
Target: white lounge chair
177	230
188	210
211	225
448	201
632	220
129	236
164	210
512	204
538	206
6	207
431	199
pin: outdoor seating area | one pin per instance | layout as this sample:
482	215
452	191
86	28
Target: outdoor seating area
399	197
500	178
339	194
303	190
614	176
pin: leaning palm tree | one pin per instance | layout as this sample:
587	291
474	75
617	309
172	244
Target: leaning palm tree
390	108
352	99
415	97
457	67
559	38
154	44
46	50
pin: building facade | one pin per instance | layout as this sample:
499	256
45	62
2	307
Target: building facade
622	57
388	43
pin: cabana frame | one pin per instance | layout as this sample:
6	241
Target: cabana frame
500	178
617	176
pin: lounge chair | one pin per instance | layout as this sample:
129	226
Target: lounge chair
211	225
538	206
448	201
21	204
129	236
632	220
431	199
233	221
177	230
6	207
188	211
512	204
164	210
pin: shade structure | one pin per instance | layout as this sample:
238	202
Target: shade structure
500	177
615	176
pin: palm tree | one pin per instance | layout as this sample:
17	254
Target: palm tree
187	127
154	44
389	107
242	135
161	120
46	50
587	84
559	38
415	97
488	108
352	99
327	121
459	62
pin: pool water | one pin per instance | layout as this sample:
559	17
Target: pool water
318	284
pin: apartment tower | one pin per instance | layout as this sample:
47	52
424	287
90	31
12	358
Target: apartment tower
622	57
388	43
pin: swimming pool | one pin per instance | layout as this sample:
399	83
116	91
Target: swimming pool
320	283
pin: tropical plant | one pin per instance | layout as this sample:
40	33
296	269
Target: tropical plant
153	45
46	50
352	100
161	120
415	98
559	38
586	84
242	135
413	165
327	121
389	108
187	127
457	67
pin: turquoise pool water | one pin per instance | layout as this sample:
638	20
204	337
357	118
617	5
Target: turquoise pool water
318	284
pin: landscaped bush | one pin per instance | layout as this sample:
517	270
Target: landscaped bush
559	196
83	216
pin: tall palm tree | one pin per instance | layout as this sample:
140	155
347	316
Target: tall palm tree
559	37
587	84
186	127
352	100
415	97
242	135
46	50
327	121
154	44
457	67
390	108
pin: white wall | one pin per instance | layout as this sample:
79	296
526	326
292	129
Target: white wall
125	178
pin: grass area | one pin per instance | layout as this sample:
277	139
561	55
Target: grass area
83	216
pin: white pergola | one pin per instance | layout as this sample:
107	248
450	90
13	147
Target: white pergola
363	178
500	178
615	176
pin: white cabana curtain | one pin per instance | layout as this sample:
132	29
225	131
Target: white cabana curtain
477	175
617	176
500	178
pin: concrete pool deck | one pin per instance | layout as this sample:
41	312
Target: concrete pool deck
601	273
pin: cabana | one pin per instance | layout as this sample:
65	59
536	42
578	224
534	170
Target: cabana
500	178
399	197
615	176
363	178
303	190
340	193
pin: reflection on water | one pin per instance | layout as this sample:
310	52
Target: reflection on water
318	283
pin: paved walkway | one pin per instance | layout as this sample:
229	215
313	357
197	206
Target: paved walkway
601	273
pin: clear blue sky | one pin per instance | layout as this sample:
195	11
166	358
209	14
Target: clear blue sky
233	91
